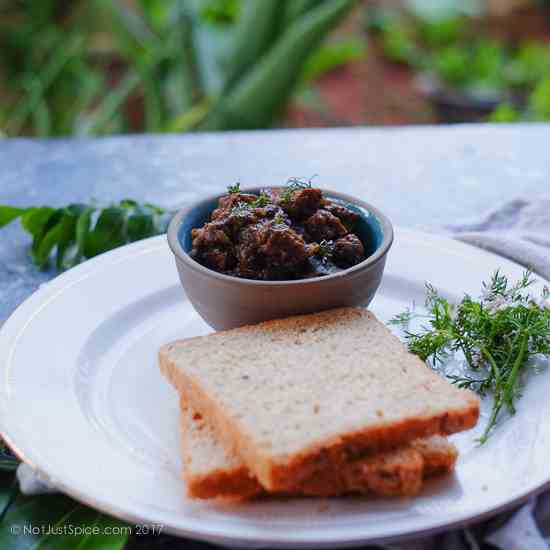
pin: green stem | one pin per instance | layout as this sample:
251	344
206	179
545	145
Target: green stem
190	66
41	84
494	369
509	387
497	405
111	103
497	400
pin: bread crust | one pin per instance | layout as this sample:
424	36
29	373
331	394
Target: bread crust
397	473
284	473
275	476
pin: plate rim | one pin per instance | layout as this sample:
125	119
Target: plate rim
202	530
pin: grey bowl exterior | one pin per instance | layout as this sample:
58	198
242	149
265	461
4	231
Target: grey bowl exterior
226	302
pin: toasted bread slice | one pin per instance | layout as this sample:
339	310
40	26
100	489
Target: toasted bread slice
292	396
438	453
210	471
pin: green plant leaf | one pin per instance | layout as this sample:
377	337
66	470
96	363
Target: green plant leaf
10	213
398	44
110	105
34	220
108	233
141	226
530	64
297	8
261	95
441	32
157	12
487	64
42	82
83	225
504	113
39	222
58	523
219	12
539	101
41	256
189	119
256	31
67	237
333	55
80	231
8	461
452	65
8	490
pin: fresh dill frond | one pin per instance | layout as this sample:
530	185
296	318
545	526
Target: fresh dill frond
233	189
241	208
294	184
403	319
326	250
499	335
262	200
279	221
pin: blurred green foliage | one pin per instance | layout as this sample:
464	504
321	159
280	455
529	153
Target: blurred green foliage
451	48
504	113
539	101
89	67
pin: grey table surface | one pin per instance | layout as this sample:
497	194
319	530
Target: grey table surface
422	177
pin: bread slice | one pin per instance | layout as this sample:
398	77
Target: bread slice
438	453
292	396
210	471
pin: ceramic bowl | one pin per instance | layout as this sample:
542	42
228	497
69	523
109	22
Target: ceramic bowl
226	302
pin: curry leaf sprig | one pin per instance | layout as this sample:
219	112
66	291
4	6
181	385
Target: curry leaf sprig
80	231
498	335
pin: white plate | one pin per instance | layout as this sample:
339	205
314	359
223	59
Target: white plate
83	402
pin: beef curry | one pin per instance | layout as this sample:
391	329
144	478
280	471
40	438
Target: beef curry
285	233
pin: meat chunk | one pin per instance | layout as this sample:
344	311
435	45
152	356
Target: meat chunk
347	217
302	203
348	251
324	226
271	211
285	251
213	248
281	233
231	200
249	257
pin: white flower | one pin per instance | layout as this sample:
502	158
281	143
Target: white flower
497	304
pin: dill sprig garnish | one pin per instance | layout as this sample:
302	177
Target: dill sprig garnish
240	209
326	250
292	185
243	207
498	335
234	189
279	222
261	201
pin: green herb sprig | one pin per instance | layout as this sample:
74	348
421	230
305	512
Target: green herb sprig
243	207
326	250
80	231
262	200
234	189
292	185
499	335
279	222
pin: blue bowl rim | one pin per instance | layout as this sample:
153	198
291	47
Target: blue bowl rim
378	254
